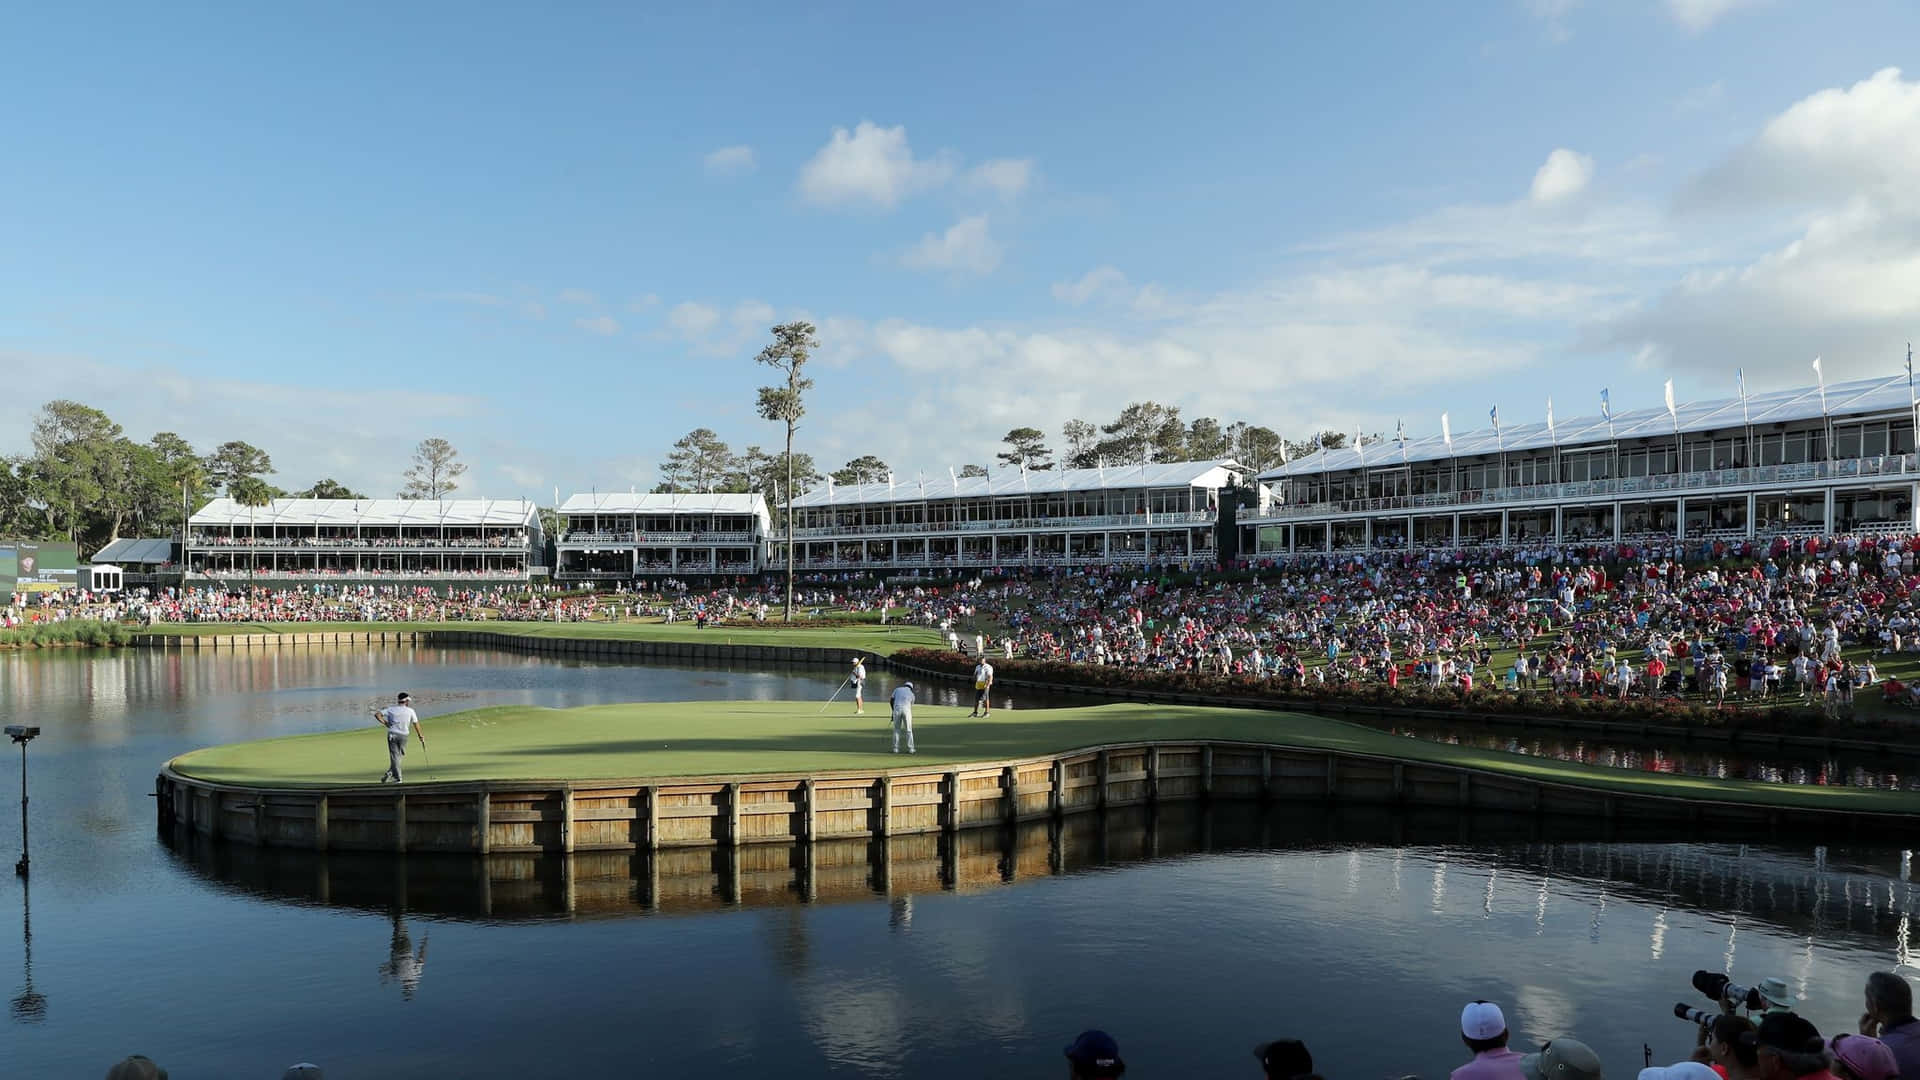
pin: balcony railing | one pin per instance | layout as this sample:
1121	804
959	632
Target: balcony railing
1170	519
205	542
659	539
1906	465
1050	559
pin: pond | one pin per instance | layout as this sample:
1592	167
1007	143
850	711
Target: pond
1190	935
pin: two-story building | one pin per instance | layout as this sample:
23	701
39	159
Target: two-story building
1785	462
623	537
299	541
1160	514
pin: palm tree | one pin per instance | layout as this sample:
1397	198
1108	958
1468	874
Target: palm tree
250	491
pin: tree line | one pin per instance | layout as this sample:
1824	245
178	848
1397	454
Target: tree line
86	481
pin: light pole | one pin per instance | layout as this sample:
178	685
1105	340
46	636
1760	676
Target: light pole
21	734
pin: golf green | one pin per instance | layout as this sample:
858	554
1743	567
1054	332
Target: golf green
735	738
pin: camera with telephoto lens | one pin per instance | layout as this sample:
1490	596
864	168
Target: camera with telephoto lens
1721	989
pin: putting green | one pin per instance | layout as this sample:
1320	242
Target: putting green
710	738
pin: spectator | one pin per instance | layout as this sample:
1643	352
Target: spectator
1562	1059
1483	1027
1285	1059
1791	1047
1862	1057
1680	1070
1095	1054
1773	990
306	1070
1727	1047
137	1067
1889	1017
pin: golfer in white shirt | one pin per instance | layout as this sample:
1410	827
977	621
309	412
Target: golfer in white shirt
902	702
398	719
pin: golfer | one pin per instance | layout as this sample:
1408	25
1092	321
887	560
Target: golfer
859	680
982	686
398	719
903	715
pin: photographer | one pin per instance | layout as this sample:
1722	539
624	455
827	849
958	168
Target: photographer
1727	1046
1889	1017
1790	1048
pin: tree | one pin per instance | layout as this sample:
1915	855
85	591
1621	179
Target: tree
792	344
1258	448
865	469
1082	439
1144	431
1027	446
699	462
971	470
75	458
1207	440
328	489
186	476
435	472
233	462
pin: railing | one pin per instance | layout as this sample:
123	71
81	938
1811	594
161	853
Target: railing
659	538
1895	465
359	543
1051	559
1170	519
310	575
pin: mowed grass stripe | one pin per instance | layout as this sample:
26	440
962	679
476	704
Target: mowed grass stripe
725	738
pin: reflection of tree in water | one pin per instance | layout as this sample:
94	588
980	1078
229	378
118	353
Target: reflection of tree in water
405	964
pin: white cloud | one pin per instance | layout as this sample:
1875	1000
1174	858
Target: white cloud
1006	177
604	325
692	320
1100	281
1564	175
1703	98
967	247
1846	284
751	316
578	297
642	304
729	161
1695	16
1552	14
870	166
523	477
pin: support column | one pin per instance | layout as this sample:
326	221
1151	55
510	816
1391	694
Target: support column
1618	513
1505	528
1366	534
1559	523
1753	500
1827	524
1456	531
1680	519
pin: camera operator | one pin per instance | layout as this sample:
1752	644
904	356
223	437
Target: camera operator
1889	1017
1727	1046
1790	1048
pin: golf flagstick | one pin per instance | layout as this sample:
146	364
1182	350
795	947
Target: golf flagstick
836	693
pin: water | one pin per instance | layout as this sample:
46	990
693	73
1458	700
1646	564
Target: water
1190	936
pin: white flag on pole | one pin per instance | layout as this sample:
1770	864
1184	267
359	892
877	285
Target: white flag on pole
1446	432
1549	418
1818	374
1670	409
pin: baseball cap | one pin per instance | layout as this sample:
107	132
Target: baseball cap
1790	1032
1865	1056
1097	1053
1482	1020
1680	1070
306	1070
137	1067
1284	1057
1562	1059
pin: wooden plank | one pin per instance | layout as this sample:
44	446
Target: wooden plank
884	799
951	811
806	818
1057	788
652	795
483	822
733	830
320	823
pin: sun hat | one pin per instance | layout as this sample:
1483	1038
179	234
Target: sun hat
1284	1057
1865	1056
1774	990
1562	1059
1482	1020
1097	1053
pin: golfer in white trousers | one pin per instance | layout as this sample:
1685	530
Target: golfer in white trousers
902	701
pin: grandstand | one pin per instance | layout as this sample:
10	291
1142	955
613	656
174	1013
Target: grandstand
1139	514
621	537
1838	459
303	541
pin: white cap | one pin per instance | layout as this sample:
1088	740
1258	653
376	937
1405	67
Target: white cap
1482	1020
1679	1070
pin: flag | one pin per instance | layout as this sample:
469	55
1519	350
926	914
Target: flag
829	489
889	484
1283	451
1446	432
1818	373
1494	415
955	477
1670	409
1606	405
1358	448
1740	376
1549	418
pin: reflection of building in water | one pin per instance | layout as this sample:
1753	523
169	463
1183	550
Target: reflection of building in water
405	964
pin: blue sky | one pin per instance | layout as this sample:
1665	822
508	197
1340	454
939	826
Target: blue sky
557	237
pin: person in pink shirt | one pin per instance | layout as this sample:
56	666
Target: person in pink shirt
1483	1027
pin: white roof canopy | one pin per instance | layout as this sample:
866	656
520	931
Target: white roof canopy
665	503
414	512
1005	481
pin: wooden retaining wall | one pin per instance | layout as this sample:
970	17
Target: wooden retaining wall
655	814
231	642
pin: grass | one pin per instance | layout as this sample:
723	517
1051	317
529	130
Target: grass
870	638
714	738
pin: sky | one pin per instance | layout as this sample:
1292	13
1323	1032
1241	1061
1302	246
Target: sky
557	236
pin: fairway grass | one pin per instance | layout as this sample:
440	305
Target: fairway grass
869	638
738	738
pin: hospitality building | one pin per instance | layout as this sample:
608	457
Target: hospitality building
289	541
1160	514
1808	460
619	537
